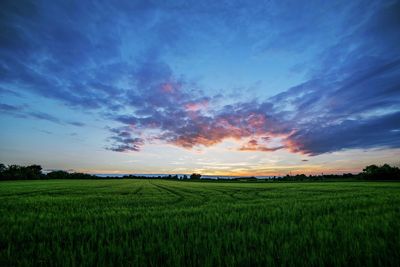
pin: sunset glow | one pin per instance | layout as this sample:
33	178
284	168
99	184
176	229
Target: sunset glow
205	86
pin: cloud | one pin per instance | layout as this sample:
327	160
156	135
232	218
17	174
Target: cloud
339	108
353	99
45	52
23	111
76	123
43	116
9	108
122	140
378	131
4	91
253	145
116	61
187	128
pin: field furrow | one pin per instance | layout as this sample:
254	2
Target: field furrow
186	223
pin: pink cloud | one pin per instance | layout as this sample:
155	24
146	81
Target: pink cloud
167	88
253	145
195	106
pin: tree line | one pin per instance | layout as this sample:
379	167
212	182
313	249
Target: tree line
35	172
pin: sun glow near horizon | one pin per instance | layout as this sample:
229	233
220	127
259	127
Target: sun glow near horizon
173	88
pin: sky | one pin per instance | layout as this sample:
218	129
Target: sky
215	87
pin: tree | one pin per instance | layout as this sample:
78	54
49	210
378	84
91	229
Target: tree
370	169
33	172
2	167
16	172
58	175
195	176
384	172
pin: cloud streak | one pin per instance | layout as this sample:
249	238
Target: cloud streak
26	112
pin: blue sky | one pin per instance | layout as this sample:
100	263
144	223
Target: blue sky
234	87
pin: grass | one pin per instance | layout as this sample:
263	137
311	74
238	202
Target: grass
171	223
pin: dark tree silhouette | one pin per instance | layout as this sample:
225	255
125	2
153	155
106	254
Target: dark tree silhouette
32	172
16	172
195	176
2	167
58	175
384	172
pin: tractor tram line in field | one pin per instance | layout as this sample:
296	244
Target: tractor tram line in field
153	222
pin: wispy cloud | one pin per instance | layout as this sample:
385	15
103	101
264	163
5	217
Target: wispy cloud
24	111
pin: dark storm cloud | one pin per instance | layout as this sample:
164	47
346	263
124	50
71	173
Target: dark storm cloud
64	52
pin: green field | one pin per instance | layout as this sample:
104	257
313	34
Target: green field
172	223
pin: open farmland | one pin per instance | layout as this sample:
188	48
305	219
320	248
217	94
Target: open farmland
158	223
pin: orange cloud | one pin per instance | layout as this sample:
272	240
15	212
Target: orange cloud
253	145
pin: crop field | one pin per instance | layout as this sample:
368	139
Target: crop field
173	223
